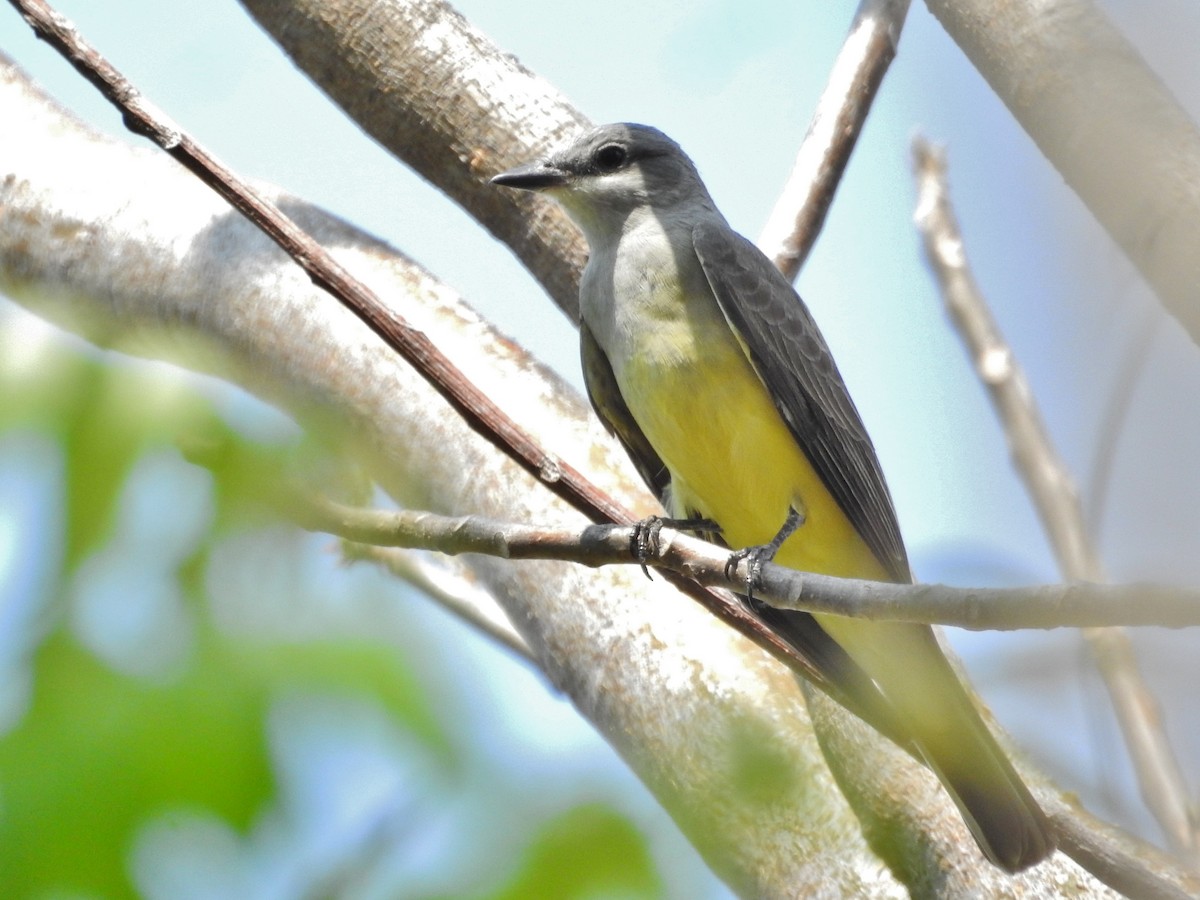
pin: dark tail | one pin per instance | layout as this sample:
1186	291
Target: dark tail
922	699
1001	813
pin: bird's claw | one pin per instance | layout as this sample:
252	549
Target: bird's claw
755	558
758	556
643	542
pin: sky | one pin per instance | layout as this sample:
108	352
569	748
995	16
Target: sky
736	89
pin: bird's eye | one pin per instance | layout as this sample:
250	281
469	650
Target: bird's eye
610	157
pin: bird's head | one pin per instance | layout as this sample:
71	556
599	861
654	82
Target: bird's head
608	173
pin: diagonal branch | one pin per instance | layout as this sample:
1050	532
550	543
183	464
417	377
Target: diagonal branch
476	408
678	696
449	588
1106	122
126	248
1053	492
796	220
440	96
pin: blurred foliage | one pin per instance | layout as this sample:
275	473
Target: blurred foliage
102	747
588	851
98	751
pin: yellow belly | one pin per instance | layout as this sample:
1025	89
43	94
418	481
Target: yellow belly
731	456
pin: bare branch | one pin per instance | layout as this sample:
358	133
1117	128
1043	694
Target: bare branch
1046	477
676	694
440	96
1077	605
1116	412
476	408
1104	120
1053	492
451	588
1102	850
800	211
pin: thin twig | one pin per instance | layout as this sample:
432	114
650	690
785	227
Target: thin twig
754	631
1053	492
800	211
1078	605
449	588
477	410
1129	374
1105	119
1103	851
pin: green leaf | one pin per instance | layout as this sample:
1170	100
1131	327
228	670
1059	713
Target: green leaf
98	752
588	851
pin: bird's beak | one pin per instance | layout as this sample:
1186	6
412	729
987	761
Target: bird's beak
536	176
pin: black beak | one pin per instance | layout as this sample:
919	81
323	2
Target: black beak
537	176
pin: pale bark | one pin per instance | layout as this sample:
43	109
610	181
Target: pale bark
1054	495
434	91
1104	120
799	212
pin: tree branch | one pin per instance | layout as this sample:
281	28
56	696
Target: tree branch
1077	605
475	407
439	95
795	221
450	588
1053	492
1104	120
678	696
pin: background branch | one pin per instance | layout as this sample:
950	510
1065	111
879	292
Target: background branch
484	416
475	407
1053	492
795	222
1103	118
238	308
1129	375
607	631
450	586
439	95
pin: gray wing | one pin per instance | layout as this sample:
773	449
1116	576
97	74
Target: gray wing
844	678
792	359
610	406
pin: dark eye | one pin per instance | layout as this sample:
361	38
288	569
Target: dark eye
610	157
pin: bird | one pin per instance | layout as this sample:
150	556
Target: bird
709	369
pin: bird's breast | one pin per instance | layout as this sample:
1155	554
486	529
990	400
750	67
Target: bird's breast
701	404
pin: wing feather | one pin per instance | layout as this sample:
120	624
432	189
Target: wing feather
605	396
792	359
844	678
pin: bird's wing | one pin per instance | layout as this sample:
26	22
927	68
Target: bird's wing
610	406
793	361
843	678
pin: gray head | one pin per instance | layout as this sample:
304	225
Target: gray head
608	173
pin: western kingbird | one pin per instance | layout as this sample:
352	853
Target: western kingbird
704	362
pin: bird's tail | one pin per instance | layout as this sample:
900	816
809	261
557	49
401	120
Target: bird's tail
939	719
1001	813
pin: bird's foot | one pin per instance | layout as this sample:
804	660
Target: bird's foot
756	557
643	543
